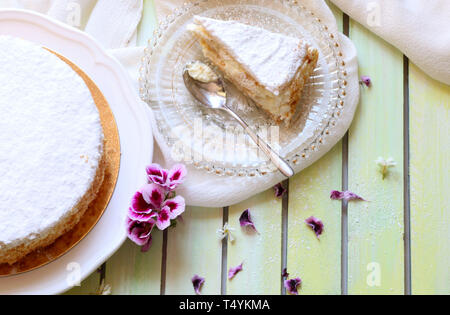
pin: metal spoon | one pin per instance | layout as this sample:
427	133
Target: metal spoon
213	95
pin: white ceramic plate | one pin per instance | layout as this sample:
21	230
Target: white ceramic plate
136	146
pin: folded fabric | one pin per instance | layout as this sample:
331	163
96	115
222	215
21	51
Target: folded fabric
420	29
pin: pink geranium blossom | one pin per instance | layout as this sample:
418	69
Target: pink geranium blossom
167	179
140	233
155	204
292	285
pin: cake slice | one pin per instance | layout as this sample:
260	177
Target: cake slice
270	68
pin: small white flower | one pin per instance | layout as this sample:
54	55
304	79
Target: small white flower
225	232
104	289
385	165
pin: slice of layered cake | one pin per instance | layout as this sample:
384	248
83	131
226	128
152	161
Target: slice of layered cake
270	68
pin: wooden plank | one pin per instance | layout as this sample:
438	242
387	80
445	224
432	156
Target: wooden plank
375	233
260	253
130	271
429	168
194	248
317	263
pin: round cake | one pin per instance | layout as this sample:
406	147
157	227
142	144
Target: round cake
51	148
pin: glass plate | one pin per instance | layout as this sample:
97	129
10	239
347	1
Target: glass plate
213	141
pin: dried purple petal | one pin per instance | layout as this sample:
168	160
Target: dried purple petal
345	195
197	282
292	285
246	220
316	225
285	274
279	190
234	271
366	80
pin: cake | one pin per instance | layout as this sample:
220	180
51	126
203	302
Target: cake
51	148
270	68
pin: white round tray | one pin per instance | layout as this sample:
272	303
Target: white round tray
136	145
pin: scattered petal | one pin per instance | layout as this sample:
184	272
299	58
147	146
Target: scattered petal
197	282
234	271
156	174
292	285
345	195
279	190
140	232
246	220
316	225
176	176
175	206
285	274
163	219
366	80
226	231
385	165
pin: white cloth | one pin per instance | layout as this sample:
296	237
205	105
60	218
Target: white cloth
419	28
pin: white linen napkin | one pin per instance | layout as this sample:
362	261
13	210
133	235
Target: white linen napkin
419	28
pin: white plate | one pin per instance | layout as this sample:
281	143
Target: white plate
136	145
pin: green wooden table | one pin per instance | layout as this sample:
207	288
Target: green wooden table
398	243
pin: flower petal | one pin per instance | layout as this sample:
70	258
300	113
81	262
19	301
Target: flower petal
246	220
156	174
175	206
279	190
139	204
154	195
292	285
366	80
197	282
141	216
163	220
285	274
176	176
316	225
345	195
234	271
140	232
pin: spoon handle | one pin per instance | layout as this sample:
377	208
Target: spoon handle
277	160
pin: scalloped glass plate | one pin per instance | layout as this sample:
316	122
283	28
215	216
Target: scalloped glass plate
211	140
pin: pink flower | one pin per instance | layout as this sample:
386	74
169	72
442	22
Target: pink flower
279	190
366	80
234	271
345	195
246	220
156	174
292	285
197	282
316	225
163	219
175	206
153	195
164	178
284	273
140	233
176	176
